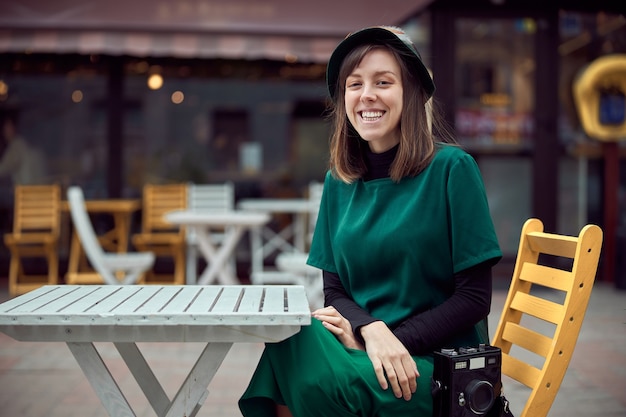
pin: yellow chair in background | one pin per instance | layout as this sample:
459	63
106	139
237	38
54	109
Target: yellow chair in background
36	230
159	236
544	309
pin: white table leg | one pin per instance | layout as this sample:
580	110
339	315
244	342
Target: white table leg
186	402
101	379
192	393
144	376
218	257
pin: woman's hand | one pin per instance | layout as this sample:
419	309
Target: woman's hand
338	325
392	361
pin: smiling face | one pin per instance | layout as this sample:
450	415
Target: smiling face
373	99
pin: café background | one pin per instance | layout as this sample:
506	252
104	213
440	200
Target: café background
113	121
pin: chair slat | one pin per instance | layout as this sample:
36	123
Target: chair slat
551	244
527	339
538	307
519	371
546	276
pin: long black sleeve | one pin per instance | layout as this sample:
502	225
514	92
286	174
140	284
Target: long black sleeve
426	331
469	304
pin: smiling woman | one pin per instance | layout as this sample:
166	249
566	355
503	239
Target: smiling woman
405	242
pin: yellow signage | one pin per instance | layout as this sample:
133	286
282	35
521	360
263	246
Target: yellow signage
600	96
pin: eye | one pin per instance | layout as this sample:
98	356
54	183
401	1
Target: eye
353	84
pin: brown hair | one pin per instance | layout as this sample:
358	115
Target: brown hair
417	144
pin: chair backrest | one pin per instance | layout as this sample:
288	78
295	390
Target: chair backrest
544	309
160	199
37	209
211	197
86	233
315	197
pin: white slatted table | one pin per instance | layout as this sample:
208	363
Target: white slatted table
217	315
265	241
233	222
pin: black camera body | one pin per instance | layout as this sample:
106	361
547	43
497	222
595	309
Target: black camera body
466	381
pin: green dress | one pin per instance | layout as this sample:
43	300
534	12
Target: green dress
396	248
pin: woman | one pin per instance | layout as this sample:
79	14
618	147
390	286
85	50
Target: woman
405	242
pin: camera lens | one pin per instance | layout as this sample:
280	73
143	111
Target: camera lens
480	396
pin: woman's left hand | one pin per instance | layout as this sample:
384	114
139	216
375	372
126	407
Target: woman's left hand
339	326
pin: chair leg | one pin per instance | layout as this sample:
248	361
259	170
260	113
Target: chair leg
14	271
179	266
53	267
192	267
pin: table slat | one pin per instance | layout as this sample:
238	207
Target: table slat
181	301
274	301
160	299
251	300
205	299
228	300
119	299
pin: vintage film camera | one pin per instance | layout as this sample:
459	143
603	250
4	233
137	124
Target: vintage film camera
466	382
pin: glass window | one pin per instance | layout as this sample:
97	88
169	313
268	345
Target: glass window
494	79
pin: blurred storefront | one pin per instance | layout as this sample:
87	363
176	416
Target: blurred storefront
119	94
504	71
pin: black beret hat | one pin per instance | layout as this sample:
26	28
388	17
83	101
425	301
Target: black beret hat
379	35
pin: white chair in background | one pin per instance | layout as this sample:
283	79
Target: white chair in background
315	196
292	267
114	268
207	198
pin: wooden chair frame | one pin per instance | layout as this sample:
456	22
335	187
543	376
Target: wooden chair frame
159	236
36	231
555	292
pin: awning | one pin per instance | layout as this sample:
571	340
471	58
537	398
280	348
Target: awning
168	44
236	29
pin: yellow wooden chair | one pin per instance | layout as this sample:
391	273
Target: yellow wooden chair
159	236
36	230
552	282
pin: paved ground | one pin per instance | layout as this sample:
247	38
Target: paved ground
42	379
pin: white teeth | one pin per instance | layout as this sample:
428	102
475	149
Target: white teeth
371	115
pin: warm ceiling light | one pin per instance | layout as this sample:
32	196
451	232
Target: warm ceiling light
77	96
4	89
155	81
177	97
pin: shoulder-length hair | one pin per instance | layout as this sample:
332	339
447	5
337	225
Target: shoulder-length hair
417	144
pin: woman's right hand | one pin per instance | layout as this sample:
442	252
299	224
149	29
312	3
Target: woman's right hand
338	325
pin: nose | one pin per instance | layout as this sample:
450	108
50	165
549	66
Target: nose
368	93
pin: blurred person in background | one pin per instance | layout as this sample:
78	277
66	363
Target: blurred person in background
21	161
